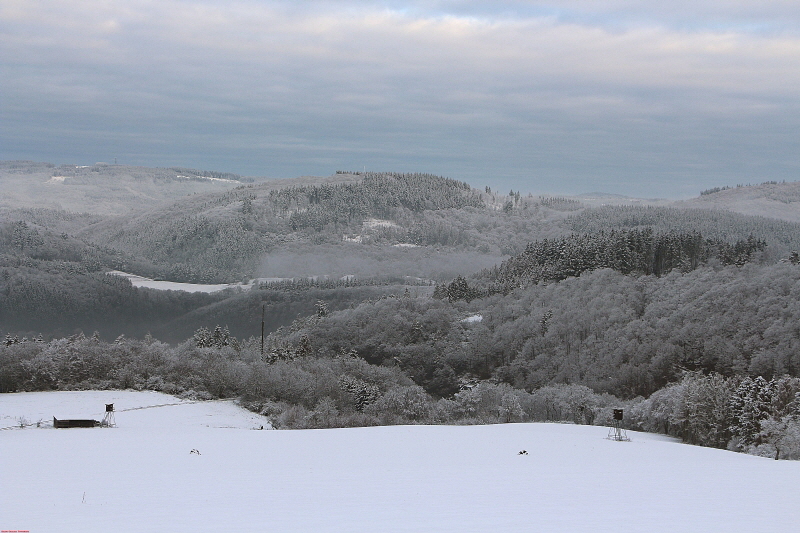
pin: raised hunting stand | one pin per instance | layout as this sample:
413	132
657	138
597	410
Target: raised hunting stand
616	431
108	420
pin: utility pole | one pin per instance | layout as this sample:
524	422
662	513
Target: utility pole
262	329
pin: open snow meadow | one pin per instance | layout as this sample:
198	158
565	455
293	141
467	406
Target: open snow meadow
180	466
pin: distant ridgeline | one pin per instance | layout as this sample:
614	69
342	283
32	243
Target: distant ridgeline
377	195
714	190
83	171
627	251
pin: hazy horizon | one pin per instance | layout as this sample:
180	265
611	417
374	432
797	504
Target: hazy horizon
559	97
585	195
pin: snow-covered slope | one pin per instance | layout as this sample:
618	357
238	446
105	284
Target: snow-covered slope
134	410
100	189
142	476
774	200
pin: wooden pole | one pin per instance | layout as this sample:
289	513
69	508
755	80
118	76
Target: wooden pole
262	329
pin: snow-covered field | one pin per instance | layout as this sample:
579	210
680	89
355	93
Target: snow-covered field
139	281
142	476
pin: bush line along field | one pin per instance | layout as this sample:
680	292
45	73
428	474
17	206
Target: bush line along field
297	389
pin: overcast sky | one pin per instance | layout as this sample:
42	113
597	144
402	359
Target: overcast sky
644	98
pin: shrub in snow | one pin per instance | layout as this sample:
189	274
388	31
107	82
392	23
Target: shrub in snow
195	395
403	404
363	393
490	403
294	417
323	416
778	438
510	409
575	403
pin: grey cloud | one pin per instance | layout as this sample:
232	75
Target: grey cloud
530	101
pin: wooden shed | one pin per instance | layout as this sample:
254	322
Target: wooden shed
75	423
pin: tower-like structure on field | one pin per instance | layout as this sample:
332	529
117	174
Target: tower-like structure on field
616	431
108	419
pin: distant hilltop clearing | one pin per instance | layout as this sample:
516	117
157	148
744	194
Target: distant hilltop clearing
104	189
771	199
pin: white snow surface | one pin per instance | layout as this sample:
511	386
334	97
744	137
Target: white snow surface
141	476
142	410
221	180
139	281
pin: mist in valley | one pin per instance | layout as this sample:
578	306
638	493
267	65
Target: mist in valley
374	261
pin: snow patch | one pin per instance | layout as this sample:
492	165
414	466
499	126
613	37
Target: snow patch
371	224
139	281
206	178
474	319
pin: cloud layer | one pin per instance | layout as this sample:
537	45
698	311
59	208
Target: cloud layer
560	97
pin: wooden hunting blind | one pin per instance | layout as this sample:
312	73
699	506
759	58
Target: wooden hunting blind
75	423
107	422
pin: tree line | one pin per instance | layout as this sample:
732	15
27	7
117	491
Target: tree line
718	225
640	251
305	390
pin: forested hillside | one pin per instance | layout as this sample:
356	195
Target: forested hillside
715	351
616	333
782	236
402	298
56	284
641	252
226	237
374	229
53	278
780	200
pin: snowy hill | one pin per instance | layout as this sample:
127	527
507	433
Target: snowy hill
774	200
101	189
142	476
